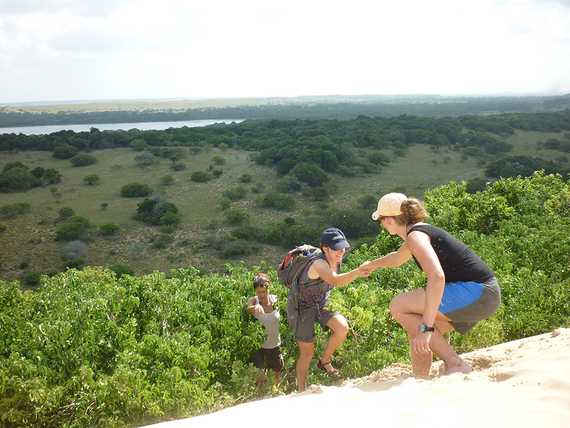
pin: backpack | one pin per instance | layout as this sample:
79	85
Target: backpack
294	263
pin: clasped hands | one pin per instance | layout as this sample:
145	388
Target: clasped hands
365	269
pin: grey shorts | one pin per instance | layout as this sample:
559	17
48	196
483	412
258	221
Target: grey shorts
467	303
302	319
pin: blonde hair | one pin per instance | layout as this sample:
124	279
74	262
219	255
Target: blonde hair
413	212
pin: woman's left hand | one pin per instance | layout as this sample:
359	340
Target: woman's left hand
420	343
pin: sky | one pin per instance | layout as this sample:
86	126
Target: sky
55	50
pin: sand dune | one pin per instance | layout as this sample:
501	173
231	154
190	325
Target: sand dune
525	383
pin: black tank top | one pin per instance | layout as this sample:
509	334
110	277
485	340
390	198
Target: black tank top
457	260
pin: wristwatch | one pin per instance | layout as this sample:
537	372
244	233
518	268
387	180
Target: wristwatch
424	328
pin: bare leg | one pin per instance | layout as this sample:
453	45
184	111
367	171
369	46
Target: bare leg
407	309
339	328
306	351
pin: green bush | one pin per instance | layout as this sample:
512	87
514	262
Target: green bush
64	213
235	193
135	190
31	278
64	151
218	160
121	270
167	180
75	228
277	201
236	216
200	177
245	178
14	210
109	229
83	159
91	179
157	212
17	180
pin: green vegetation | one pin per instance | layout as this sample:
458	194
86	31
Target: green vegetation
14	210
83	159
135	190
305	172
162	346
92	179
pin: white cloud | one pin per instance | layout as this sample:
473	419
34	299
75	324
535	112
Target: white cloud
214	48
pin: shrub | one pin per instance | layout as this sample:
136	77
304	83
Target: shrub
65	213
238	249
75	228
200	177
135	190
217	173
157	212
378	158
167	180
310	174
91	179
236	216
64	151
161	241
178	167
225	203
289	185
368	202
83	159
278	201
31	278
121	270
245	178
108	229
17	180
14	210
145	159
139	145
235	194
3	228
218	160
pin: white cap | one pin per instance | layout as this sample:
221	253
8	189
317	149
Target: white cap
389	205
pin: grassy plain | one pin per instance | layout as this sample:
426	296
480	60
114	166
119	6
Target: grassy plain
30	239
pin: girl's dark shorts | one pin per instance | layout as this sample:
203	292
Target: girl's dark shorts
268	359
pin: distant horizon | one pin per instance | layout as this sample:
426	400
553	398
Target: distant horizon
285	97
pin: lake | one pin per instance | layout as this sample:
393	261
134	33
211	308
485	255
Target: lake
143	126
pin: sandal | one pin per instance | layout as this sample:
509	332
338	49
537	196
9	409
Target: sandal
328	369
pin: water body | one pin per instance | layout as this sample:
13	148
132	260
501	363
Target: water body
143	126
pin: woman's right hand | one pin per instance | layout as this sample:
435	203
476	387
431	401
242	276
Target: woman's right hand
258	310
365	269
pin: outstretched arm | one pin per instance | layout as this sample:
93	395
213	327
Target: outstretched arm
322	269
393	259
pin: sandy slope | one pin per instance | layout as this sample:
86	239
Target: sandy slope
525	383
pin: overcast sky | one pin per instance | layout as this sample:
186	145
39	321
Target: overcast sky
54	50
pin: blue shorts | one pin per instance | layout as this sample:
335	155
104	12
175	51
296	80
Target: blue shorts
467	303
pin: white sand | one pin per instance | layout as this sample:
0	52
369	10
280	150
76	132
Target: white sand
525	383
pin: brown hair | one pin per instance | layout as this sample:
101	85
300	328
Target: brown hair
413	212
261	280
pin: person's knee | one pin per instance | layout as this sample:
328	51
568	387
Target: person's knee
395	308
339	326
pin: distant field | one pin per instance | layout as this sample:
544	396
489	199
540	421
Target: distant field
31	238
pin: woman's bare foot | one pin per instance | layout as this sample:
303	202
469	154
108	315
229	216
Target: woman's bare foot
457	367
